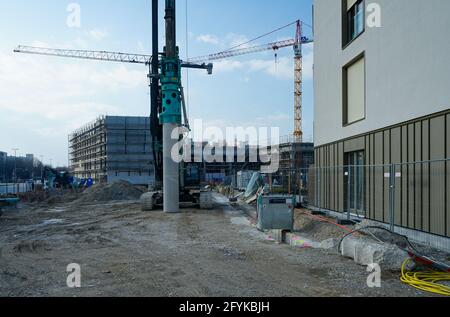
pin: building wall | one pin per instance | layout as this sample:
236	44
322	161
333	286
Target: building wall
422	189
407	119
112	149
87	151
129	150
407	68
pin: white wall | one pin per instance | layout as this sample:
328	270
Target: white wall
407	65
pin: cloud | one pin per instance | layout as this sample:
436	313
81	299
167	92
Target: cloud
282	69
97	34
54	94
208	39
225	42
227	65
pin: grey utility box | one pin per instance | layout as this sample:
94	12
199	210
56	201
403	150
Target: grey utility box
276	212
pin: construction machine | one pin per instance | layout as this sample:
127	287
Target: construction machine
168	108
175	183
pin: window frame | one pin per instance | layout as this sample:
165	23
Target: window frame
346	41
345	122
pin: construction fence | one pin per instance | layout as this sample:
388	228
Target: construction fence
14	189
412	195
408	195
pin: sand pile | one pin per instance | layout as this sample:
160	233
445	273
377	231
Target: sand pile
117	191
317	230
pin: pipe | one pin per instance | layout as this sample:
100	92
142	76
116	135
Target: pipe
171	169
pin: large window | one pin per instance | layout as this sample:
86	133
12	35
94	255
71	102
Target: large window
353	20
354	91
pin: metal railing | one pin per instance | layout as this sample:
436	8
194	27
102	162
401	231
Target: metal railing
15	189
413	195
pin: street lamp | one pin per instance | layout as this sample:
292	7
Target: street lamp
15	165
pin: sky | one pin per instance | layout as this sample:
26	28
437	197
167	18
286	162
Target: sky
43	99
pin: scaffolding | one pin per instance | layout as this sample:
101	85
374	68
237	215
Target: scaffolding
113	148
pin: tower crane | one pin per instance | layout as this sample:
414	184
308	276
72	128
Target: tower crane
167	96
202	62
297	44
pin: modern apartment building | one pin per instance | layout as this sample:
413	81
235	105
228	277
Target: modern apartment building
382	97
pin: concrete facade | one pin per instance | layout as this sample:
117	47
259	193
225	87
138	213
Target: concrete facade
406	114
112	149
407	69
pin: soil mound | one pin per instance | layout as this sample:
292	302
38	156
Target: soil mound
117	191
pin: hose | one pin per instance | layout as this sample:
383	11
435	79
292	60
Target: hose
409	246
322	219
427	281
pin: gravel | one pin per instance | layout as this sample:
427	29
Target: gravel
125	252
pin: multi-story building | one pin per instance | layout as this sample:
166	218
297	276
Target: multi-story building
113	148
382	97
3	174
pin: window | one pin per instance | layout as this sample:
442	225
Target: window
354	181
353	20
354	91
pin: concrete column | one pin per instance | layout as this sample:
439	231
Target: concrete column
171	171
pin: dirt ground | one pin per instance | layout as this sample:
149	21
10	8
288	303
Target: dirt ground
125	252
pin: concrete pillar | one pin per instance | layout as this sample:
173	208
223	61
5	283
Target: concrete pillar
171	171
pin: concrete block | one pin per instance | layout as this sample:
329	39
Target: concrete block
365	252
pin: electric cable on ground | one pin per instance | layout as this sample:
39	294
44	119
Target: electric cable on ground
426	280
426	277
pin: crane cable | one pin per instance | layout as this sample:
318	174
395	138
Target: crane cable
264	35
426	280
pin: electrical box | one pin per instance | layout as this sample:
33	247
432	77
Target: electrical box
276	212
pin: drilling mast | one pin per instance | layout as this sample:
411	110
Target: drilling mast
170	116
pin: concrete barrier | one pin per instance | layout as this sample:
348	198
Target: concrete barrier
364	252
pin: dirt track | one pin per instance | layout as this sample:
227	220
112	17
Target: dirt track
125	252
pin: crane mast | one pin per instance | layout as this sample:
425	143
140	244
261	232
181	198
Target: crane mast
298	82
298	70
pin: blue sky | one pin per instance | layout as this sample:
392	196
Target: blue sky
44	98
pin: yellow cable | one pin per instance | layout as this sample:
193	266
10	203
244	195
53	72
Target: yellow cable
427	281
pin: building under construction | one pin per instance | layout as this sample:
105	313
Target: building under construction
113	148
